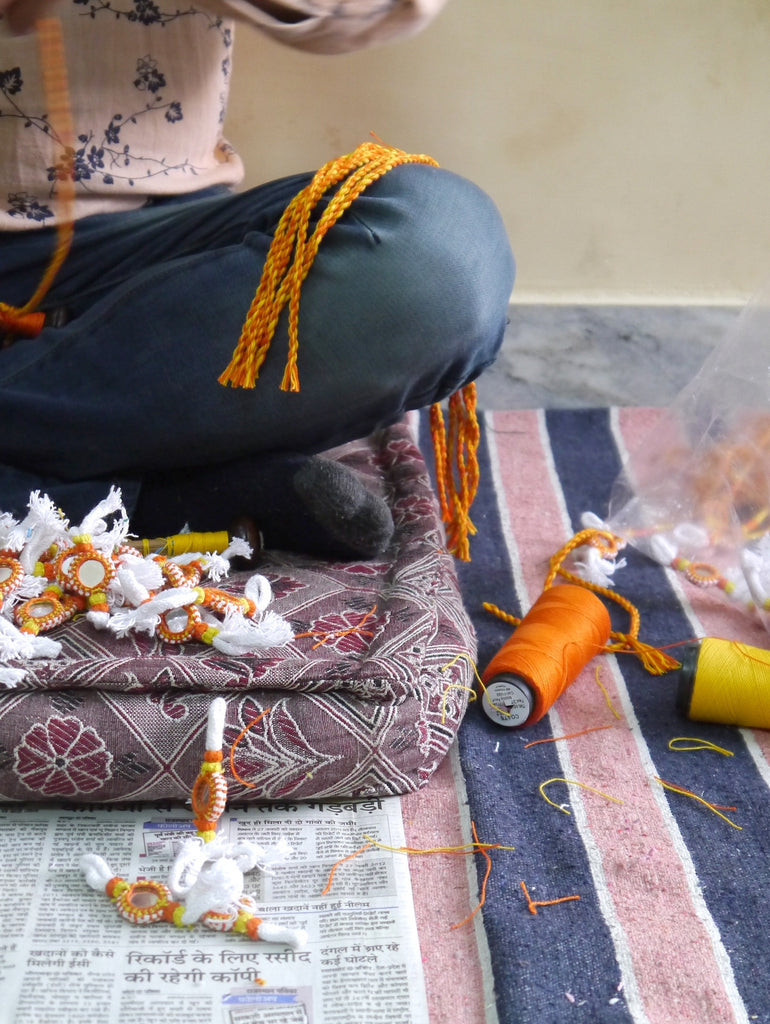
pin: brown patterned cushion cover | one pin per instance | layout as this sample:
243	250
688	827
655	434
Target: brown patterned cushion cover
364	704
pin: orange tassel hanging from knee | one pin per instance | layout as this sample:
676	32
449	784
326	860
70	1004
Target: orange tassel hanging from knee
23	321
287	265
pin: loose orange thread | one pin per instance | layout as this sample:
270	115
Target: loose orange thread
487	872
288	263
716	808
23	321
335	634
569	736
343	860
532	905
238	738
463	851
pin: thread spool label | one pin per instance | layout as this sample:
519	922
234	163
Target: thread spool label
507	701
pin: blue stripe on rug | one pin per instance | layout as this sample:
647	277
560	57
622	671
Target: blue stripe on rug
563	961
732	868
539	962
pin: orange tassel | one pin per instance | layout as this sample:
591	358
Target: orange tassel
21	320
287	265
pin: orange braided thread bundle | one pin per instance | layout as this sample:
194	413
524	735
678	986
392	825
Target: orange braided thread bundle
287	265
458	481
655	660
23	321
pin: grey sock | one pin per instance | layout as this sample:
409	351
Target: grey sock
341	503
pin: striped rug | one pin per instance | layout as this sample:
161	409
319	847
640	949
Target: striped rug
672	924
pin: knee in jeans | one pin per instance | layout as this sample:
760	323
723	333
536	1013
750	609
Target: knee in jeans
453	255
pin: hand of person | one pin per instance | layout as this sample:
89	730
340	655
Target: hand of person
20	15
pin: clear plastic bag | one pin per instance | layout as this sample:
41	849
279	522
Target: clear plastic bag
695	493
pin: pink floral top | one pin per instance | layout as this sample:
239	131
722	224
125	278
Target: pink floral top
148	85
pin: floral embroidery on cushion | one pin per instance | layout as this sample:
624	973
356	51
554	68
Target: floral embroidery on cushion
273	755
62	757
170	706
282	586
413	508
376	569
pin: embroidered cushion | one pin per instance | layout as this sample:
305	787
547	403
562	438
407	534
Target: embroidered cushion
364	702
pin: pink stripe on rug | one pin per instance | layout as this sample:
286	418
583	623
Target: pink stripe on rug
650	912
453	974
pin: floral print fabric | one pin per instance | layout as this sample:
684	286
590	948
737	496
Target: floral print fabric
364	701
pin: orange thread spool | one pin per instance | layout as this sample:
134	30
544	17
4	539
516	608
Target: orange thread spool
555	640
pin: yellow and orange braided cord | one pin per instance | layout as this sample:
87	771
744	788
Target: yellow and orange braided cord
23	320
287	265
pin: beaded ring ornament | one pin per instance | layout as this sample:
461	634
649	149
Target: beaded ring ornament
205	883
50	571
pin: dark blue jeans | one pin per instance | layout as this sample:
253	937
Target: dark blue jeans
406	302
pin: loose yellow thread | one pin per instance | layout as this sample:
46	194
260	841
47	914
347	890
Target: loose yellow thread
532	905
462	851
464	654
458	686
696	744
712	807
238	738
603	688
572	782
454	686
569	736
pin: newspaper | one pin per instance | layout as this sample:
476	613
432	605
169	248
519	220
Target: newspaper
67	957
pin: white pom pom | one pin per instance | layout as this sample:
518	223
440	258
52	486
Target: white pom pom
662	549
240	635
96	870
294	937
11	677
216	724
259	591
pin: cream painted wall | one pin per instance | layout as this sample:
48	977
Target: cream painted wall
626	142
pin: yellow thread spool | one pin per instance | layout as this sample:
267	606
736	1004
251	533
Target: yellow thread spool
727	683
183	543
